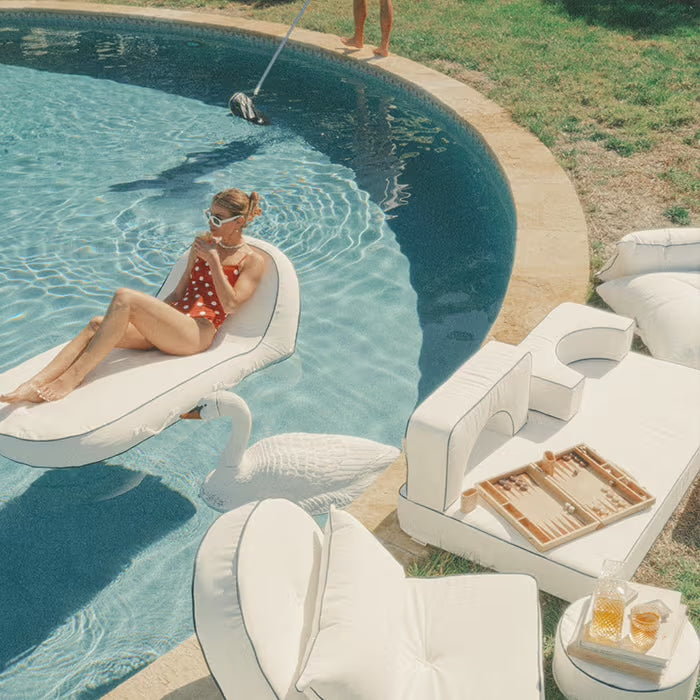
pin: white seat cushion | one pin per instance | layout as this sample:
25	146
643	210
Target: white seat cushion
359	617
666	308
471	637
659	250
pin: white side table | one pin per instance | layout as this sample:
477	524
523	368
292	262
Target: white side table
582	680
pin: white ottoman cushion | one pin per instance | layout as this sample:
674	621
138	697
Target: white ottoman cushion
360	607
660	250
474	636
666	308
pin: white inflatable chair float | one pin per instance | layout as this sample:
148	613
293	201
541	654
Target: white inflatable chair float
314	470
134	395
283	610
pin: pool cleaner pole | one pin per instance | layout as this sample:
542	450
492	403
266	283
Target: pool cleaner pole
242	105
280	47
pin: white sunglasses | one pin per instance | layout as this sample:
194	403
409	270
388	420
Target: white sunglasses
217	221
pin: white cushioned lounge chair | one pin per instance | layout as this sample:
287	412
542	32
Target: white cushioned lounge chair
637	412
654	277
283	610
133	395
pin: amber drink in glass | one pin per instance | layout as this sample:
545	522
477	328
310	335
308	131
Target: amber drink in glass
609	605
644	627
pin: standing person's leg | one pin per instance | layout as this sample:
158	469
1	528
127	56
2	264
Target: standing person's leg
154	324
386	20
359	12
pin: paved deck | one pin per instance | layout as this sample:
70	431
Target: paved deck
550	227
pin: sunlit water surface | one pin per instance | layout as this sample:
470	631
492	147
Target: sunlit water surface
113	140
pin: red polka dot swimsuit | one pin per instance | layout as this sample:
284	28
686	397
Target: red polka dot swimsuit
200	299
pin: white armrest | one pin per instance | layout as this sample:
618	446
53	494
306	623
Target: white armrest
442	431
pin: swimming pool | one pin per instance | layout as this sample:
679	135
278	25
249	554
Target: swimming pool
115	136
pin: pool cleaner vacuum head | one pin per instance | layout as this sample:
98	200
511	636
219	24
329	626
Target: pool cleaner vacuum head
241	105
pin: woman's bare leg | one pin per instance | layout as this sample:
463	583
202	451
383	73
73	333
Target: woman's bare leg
28	391
155	324
359	12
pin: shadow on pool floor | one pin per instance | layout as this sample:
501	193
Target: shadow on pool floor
68	536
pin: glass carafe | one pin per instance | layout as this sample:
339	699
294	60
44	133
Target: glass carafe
609	601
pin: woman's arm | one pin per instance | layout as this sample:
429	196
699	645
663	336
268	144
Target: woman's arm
182	284
250	274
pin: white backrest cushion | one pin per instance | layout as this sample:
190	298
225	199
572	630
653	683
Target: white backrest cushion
278	562
658	250
666	308
569	333
361	592
254	593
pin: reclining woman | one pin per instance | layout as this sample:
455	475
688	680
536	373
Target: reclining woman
222	273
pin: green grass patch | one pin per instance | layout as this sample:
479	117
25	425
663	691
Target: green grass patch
685	179
597	255
678	215
627	147
441	563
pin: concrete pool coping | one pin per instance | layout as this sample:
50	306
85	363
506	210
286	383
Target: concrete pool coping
551	262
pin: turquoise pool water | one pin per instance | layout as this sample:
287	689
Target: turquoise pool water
113	137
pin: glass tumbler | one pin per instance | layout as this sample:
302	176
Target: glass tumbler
645	620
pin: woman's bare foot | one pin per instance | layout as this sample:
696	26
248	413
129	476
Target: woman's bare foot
60	388
28	391
381	51
353	42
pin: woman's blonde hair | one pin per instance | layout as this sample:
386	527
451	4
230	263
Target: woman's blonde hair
239	203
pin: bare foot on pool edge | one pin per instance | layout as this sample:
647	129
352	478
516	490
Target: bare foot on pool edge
381	51
24	392
352	42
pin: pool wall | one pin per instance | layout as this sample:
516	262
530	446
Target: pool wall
551	263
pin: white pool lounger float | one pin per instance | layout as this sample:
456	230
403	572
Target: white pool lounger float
134	395
640	413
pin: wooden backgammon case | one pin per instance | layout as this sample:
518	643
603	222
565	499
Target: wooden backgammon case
561	497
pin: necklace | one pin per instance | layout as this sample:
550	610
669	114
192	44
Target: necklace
229	247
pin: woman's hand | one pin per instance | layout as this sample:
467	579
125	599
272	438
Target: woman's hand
205	248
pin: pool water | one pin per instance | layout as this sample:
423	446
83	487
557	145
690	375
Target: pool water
113	138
